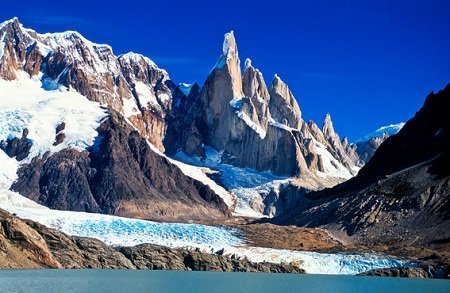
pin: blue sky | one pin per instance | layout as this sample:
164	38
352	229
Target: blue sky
367	63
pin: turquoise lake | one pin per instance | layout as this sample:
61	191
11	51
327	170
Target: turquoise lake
179	281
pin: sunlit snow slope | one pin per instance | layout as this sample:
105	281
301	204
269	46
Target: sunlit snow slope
25	103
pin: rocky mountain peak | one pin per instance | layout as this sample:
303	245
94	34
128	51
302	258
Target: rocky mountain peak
131	83
12	23
279	87
283	105
16	44
229	48
247	63
228	68
254	85
327	128
344	142
132	57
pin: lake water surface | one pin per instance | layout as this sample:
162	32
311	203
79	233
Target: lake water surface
178	281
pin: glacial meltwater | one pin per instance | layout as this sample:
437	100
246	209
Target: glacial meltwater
179	281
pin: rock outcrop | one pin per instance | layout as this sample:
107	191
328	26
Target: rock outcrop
18	148
399	273
153	257
100	180
366	149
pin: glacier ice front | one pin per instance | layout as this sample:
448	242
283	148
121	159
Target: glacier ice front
119	231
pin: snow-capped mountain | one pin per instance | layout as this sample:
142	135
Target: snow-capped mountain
130	83
389	130
368	144
135	117
76	121
107	146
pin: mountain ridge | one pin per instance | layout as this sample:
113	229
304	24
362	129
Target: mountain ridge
250	123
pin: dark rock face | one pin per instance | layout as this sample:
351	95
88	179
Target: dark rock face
402	195
17	147
121	175
398	272
288	195
422	138
423	271
60	181
154	257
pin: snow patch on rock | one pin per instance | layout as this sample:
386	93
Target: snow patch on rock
333	168
258	129
145	94
277	124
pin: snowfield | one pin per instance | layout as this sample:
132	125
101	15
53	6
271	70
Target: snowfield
332	166
24	103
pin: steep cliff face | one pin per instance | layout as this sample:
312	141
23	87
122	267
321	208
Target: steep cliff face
255	88
283	105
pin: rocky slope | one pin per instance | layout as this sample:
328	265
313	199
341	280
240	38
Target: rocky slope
98	179
29	245
401	196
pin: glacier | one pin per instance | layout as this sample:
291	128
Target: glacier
120	231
